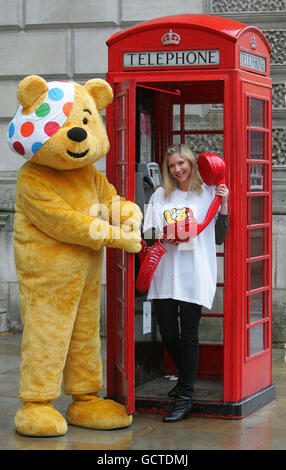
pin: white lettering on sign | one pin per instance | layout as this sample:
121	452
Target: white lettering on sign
171	58
252	61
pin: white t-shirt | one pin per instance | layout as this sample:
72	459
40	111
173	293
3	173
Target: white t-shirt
188	271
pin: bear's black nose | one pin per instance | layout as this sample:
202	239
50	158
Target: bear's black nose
77	134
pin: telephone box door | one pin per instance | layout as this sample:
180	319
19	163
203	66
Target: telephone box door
257	333
120	303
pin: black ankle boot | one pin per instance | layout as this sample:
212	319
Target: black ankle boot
173	392
182	406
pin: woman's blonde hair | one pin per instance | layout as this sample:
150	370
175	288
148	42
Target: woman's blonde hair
169	183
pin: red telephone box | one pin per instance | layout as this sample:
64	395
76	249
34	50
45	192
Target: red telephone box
201	80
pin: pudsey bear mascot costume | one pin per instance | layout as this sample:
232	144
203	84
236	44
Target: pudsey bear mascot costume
66	212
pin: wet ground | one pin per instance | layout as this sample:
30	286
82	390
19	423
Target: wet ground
264	429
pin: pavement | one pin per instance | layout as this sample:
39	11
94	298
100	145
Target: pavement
264	429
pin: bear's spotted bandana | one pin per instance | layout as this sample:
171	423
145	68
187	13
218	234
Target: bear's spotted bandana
28	132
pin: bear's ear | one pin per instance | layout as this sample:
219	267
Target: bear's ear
101	92
31	89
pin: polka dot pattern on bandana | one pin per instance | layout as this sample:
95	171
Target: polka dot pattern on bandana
28	132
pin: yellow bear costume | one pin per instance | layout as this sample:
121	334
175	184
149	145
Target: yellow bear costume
59	236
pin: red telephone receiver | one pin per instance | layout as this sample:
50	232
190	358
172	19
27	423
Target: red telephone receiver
212	170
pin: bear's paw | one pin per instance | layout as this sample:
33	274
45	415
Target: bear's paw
94	412
39	419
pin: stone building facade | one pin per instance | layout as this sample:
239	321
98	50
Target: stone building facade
66	39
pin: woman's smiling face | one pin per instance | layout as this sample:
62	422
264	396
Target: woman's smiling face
180	169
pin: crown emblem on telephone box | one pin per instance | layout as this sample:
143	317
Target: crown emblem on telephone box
253	42
171	38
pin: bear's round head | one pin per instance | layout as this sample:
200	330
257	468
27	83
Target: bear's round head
58	123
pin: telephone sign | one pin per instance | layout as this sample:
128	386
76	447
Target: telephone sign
171	58
252	61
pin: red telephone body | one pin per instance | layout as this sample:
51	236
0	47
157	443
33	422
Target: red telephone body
212	171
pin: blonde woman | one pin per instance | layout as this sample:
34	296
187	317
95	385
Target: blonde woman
185	279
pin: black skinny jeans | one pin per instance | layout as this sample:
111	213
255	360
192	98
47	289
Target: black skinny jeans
181	343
